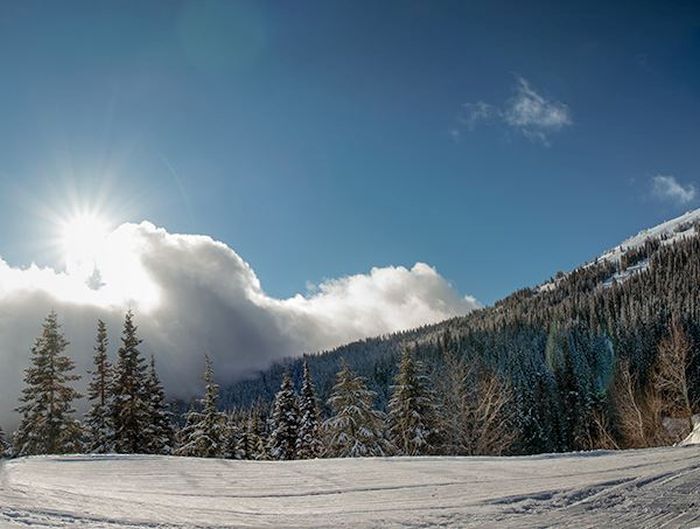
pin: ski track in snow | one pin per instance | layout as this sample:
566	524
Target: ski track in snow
657	488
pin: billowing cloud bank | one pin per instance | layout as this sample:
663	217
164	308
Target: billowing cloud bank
192	295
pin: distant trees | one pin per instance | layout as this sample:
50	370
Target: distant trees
46	406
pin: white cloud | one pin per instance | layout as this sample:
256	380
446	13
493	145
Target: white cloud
533	115
527	111
666	187
192	295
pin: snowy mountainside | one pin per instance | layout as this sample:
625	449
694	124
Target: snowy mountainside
668	232
625	489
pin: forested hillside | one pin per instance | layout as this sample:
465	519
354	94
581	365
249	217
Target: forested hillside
587	359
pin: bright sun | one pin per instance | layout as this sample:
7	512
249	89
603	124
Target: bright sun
83	238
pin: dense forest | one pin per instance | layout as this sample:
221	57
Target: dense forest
605	356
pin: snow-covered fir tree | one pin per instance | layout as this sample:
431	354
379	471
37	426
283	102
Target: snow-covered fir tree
204	433
309	443
5	450
356	429
412	418
47	425
130	404
236	436
284	422
160	436
98	420
256	435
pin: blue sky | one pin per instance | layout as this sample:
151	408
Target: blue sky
496	141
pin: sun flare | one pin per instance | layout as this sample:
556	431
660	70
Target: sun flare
83	238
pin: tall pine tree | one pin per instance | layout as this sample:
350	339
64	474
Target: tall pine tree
160	436
47	425
98	421
130	404
309	443
356	429
204	434
284	423
412	414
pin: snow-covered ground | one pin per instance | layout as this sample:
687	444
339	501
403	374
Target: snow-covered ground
636	488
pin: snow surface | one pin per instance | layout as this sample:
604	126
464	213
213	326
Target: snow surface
635	488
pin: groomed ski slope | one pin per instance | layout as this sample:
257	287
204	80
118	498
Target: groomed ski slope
637	488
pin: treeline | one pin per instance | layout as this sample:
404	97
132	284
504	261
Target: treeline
465	413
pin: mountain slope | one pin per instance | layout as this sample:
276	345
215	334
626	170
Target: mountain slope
552	344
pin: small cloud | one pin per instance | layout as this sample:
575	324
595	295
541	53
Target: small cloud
528	112
666	187
533	115
473	113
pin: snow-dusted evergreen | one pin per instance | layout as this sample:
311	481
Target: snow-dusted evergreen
284	423
309	443
130	405
204	434
5	449
412	417
236	436
256	435
47	425
356	429
159	434
99	422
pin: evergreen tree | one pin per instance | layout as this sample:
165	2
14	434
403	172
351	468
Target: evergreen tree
47	425
130	404
284	423
412	417
5	450
236	437
356	429
204	434
256	436
159	432
308	445
99	421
